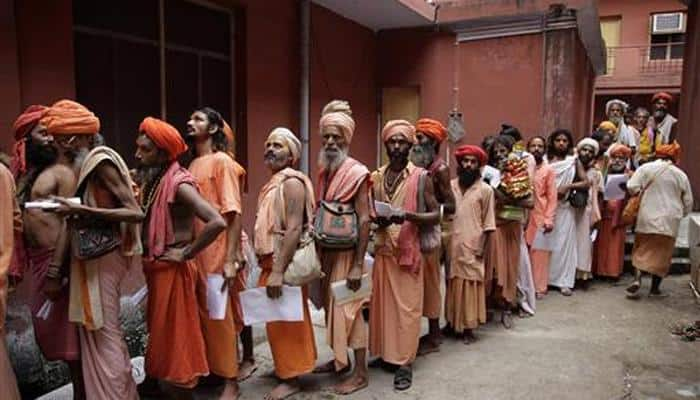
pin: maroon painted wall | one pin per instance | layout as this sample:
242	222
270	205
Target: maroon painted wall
9	73
689	136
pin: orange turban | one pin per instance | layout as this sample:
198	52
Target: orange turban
662	95
164	135
672	151
66	117
471	150
400	127
618	149
608	126
433	128
23	125
228	132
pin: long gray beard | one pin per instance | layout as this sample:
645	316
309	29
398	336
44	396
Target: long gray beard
331	161
423	155
615	120
145	176
79	158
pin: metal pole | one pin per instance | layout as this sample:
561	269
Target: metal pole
305	42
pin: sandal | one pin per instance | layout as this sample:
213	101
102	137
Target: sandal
403	378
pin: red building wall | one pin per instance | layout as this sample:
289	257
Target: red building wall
688	134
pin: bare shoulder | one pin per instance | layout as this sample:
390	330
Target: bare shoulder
293	187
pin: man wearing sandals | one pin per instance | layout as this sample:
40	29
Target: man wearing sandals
397	299
344	183
284	207
666	199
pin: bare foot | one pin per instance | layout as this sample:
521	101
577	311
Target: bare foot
429	345
282	391
351	385
507	319
329	367
246	369
230	391
565	291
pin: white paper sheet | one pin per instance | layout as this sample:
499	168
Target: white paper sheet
385	209
48	204
45	310
543	241
492	175
216	299
258	308
594	235
612	187
343	295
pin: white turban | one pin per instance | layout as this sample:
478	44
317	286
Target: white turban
609	104
290	139
588	142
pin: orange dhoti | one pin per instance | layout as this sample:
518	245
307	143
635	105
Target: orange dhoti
221	341
653	253
176	352
292	343
609	249
346	328
504	258
465	304
396	308
432	299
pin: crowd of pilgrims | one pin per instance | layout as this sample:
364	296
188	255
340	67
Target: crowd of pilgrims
508	221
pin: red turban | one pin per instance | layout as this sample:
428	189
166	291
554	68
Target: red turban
164	135
23	125
470	150
433	128
672	151
400	127
618	149
66	117
662	95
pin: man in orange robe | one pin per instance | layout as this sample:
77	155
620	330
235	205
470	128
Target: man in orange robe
609	249
214	172
176	352
396	306
10	223
102	235
344	181
465	299
430	134
285	208
542	215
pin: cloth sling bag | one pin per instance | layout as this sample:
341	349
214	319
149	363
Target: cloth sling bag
631	210
305	266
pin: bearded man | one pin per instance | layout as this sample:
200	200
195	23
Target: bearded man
102	234
542	216
504	248
44	169
465	298
397	300
343	182
588	216
569	175
10	223
615	110
218	184
648	139
430	134
664	123
171	202
285	210
667	198
609	250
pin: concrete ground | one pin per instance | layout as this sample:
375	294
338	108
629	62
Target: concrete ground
593	345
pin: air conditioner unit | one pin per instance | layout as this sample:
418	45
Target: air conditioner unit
667	23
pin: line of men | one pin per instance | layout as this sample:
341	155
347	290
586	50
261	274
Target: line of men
186	225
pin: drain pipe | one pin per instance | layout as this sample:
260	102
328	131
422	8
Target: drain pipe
305	43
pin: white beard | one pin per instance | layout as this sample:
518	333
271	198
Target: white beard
331	162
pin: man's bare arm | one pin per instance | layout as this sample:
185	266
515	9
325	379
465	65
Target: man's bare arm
583	182
65	187
214	223
294	203
233	243
112	180
363	222
446	190
432	214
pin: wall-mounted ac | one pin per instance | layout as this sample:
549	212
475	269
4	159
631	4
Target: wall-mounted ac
666	23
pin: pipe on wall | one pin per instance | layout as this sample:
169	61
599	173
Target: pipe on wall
304	89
